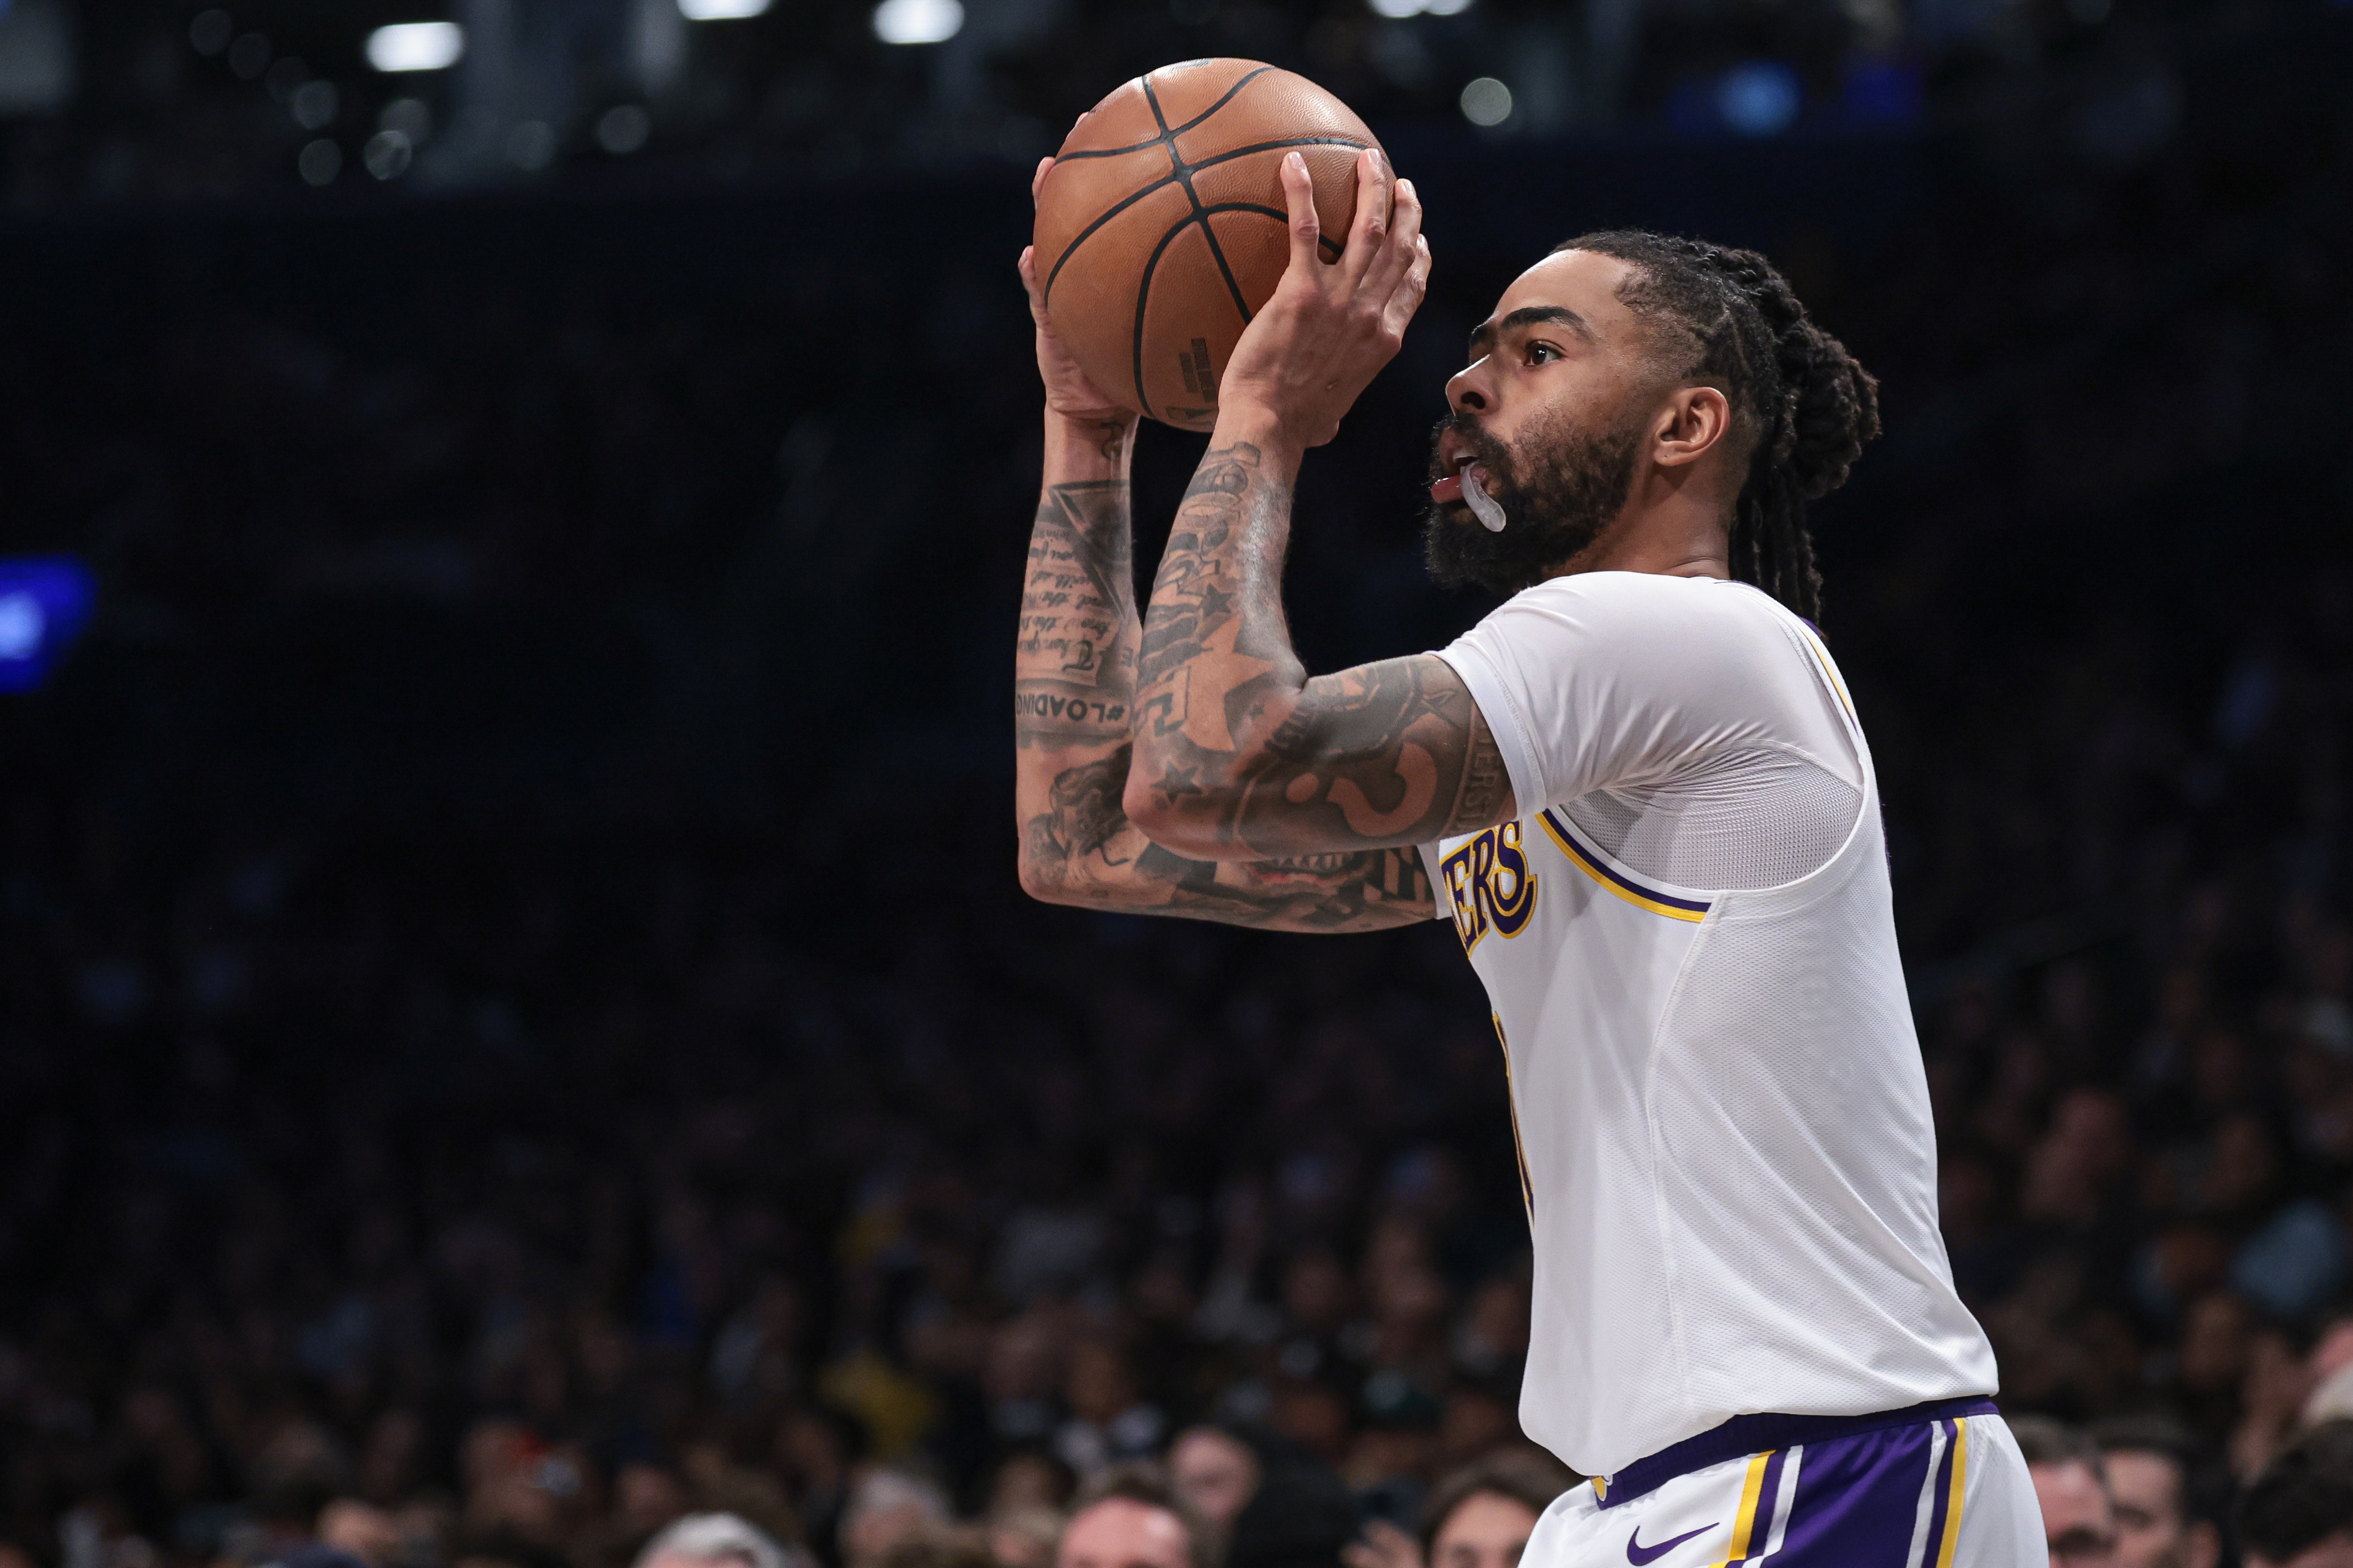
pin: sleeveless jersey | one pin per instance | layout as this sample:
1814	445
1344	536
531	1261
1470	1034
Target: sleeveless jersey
1726	1148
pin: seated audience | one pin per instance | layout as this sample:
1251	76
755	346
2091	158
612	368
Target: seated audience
2298	1512
2163	1484
2071	1482
1131	1517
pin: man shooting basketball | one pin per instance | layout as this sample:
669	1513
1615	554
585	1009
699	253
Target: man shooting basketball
1641	794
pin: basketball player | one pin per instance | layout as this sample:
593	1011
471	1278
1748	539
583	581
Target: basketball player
1640	792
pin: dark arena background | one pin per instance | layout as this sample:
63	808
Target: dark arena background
519	1020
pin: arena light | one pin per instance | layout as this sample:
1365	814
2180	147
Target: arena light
918	21
417	47
44	600
1760	98
1486	101
721	10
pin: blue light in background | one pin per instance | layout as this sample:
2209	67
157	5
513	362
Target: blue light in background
44	601
1758	98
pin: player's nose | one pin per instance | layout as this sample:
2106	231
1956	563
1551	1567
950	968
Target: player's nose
1467	390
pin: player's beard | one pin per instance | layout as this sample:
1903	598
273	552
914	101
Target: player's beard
1559	488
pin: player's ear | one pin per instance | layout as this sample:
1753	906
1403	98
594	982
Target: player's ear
1694	421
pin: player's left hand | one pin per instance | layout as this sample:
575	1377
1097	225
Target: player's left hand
1331	326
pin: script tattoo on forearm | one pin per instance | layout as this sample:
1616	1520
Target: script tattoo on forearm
1387	753
1073	693
1076	675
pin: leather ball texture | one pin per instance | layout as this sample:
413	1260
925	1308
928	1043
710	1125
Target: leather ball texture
1162	227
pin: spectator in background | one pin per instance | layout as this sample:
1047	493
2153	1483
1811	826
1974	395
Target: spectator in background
1479	1517
1131	1517
1110	1420
1215	1471
2163	1485
2298	1514
885	1508
1023	1537
1303	1515
713	1541
938	1546
2071	1482
362	1530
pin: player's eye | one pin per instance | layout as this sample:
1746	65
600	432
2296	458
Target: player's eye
1542	353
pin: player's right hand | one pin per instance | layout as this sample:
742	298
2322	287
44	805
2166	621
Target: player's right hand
1313	348
1069	391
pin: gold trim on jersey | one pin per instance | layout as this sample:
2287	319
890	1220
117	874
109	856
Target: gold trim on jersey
1633	892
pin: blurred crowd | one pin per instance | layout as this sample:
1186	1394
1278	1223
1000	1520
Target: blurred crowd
517	1032
265	100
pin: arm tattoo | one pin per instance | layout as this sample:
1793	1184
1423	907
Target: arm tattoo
1264	761
1101	857
1074	691
1076	672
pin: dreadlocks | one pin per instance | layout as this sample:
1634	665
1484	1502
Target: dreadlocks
1796	393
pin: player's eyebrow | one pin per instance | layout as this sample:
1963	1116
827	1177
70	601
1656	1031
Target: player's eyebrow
1484	336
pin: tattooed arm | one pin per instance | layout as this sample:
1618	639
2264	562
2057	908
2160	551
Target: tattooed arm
1238	754
1074	688
1074	683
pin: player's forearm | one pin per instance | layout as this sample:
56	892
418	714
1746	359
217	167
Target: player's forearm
1218	671
1239	756
1074	667
1219	680
1075	664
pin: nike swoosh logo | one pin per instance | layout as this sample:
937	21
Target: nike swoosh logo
1638	1554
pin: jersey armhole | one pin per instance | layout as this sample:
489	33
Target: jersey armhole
1830	690
1441	898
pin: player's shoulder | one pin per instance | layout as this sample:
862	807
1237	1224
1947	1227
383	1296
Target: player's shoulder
1713	610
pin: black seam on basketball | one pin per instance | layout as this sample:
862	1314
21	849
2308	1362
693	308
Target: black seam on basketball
1244	80
1185	172
1108	152
1181	172
1172	130
1143	285
1087	233
1216	252
1143	295
1323	241
1230	155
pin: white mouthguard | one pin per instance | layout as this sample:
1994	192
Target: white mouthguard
1483	505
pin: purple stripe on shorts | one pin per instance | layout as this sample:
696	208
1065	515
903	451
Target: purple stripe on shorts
1936	1508
1760	1534
1859	1499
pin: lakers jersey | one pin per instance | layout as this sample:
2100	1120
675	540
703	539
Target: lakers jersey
1688	941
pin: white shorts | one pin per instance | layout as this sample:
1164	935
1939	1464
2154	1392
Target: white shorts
1910	1489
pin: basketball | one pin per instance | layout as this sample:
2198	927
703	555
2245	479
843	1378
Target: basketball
1161	227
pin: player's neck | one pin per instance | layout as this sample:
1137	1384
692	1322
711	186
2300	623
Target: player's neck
1678	539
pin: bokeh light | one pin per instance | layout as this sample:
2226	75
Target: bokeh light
1486	101
918	21
417	47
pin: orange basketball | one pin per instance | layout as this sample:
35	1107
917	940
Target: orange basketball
1161	227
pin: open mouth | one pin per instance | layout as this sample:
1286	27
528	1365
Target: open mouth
1448	491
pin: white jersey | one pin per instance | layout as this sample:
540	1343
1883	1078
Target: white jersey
1689	940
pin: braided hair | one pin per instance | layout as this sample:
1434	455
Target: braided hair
1805	405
